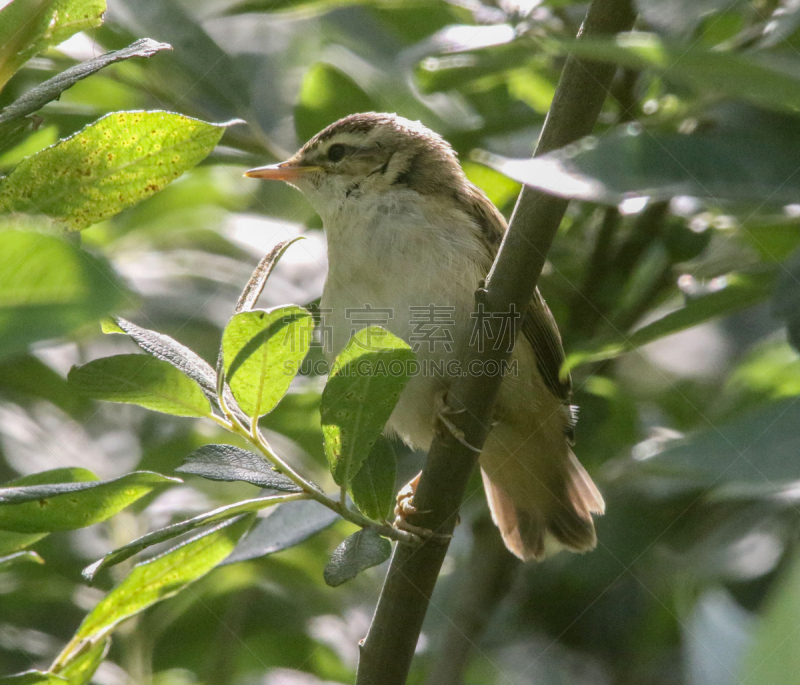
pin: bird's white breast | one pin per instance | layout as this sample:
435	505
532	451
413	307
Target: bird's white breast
399	251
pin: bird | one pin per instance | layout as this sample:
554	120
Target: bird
410	238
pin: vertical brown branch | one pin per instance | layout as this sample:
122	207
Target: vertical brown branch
388	649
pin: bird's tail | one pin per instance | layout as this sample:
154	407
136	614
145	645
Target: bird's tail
560	517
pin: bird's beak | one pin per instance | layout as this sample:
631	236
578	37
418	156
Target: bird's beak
285	171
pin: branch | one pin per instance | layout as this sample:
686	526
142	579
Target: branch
389	646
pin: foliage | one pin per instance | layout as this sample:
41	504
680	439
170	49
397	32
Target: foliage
674	281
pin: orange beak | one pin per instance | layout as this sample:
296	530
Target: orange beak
285	171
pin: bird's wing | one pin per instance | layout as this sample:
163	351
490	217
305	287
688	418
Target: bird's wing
538	325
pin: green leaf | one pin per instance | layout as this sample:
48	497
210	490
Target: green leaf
119	160
29	26
18	557
362	389
288	525
229	463
262	352
762	79
249	297
158	579
362	550
38	97
143	380
741	290
327	95
774	655
786	302
80	668
33	678
13	542
740	156
372	488
48	288
157	536
46	507
171	351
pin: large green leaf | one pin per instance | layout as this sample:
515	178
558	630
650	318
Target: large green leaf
113	163
158	579
49	288
741	290
157	536
41	503
743	156
30	26
362	389
143	380
262	352
51	89
229	463
372	488
763	79
774	655
362	550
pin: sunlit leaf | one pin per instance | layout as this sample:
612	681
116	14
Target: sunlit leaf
80	669
30	507
158	579
362	389
372	488
362	550
288	525
30	26
117	161
157	536
48	288
741	290
262	352
229	463
143	380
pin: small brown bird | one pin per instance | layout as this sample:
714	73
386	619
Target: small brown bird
410	237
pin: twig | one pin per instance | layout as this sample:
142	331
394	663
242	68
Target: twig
389	647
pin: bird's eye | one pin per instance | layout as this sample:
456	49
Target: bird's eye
336	152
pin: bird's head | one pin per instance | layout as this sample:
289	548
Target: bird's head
367	155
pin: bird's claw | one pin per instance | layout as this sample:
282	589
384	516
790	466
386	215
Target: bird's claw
405	508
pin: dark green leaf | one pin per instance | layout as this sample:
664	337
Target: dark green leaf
80	669
363	387
262	352
38	97
249	297
157	579
786	302
372	488
327	95
362	550
229	463
143	380
680	16
113	163
741	290
49	506
29	26
157	536
48	288
171	351
19	557
750	161
760	78
288	525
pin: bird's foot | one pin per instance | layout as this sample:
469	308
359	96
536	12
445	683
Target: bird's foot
405	508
